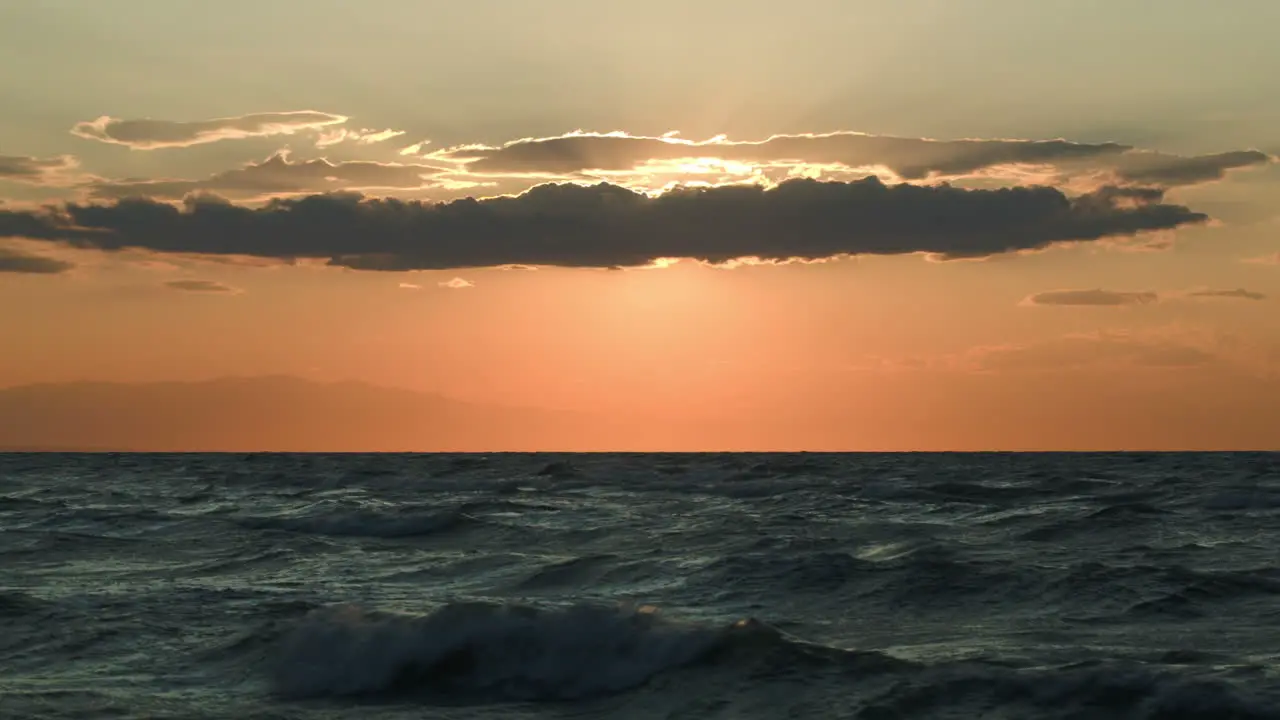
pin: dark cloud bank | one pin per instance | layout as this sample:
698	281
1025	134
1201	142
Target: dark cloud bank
606	226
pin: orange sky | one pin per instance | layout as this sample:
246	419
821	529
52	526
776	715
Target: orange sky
1167	338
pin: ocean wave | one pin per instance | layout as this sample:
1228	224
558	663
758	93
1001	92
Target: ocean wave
484	653
1085	690
499	651
568	573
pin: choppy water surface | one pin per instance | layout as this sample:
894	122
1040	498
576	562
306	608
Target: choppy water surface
640	586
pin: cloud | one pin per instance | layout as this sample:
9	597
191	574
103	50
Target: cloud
60	170
1105	349
606	225
1238	293
829	154
14	261
1112	298
148	134
1094	298
410	286
278	175
1151	168
457	284
200	286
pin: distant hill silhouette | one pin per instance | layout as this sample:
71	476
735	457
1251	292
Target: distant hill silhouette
278	414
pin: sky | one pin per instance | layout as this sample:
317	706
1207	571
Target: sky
976	224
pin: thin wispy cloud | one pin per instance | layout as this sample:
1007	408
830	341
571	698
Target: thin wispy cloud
609	226
1091	298
1236	294
1113	298
1093	350
149	134
457	284
201	286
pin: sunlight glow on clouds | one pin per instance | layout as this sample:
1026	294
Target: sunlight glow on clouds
597	154
364	136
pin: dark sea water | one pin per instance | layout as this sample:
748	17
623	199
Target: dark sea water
640	586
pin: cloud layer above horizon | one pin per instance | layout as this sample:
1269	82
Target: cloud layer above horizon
903	158
586	199
635	161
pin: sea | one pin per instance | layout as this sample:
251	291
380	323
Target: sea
541	586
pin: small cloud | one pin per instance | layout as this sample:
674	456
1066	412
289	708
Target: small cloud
410	286
60	170
415	148
1238	293
1169	170
1092	298
14	261
148	134
457	284
201	286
